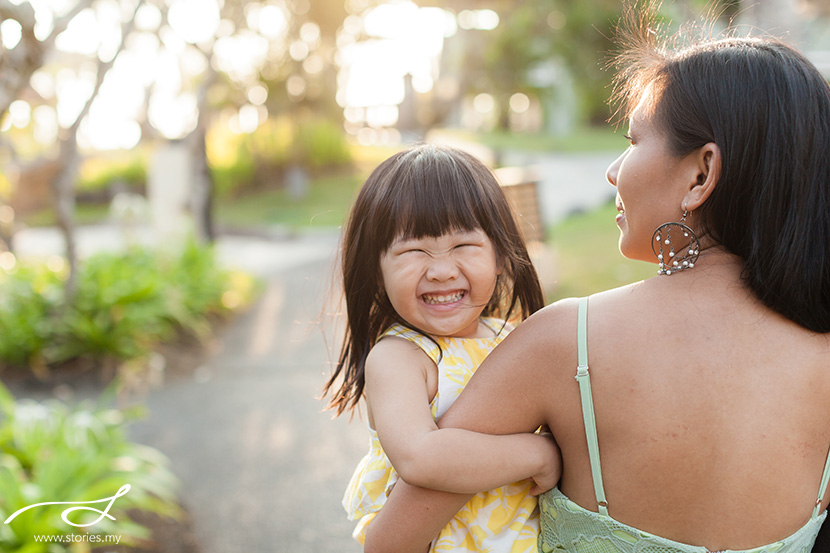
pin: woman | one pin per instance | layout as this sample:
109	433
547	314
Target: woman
702	424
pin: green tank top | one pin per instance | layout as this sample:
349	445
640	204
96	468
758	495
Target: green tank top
569	528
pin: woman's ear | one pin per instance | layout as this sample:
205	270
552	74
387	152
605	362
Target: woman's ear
708	161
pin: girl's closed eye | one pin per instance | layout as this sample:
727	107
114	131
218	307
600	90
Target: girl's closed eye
407	246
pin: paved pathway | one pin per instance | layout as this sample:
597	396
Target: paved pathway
263	467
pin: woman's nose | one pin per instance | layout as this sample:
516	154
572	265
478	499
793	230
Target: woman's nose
613	169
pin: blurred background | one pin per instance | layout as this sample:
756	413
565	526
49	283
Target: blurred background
173	178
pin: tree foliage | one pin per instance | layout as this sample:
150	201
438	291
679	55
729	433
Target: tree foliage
575	35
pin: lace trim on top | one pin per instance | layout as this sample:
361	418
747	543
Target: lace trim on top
569	527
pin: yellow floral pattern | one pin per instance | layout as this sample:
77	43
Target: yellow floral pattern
505	520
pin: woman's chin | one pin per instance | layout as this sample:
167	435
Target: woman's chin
635	254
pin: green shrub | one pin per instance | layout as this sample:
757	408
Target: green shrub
97	174
29	296
235	172
240	162
51	452
199	289
119	309
125	303
320	144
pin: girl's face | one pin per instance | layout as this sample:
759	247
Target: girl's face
441	285
649	181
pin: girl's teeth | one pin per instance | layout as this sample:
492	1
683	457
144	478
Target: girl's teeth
443	299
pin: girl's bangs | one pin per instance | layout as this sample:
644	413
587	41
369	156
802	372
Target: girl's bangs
433	203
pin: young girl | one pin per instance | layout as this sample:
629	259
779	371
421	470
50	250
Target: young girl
433	267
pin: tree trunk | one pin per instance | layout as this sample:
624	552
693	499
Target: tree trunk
16	69
201	185
7	226
64	188
69	160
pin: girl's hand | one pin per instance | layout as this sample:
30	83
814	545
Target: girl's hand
551	468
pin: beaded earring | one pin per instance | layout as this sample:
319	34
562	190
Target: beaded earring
677	259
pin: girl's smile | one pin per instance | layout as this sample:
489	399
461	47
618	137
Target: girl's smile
443	299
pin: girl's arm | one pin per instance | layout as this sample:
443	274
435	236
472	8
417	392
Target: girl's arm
453	460
508	393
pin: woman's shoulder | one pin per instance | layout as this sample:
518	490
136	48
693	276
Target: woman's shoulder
547	329
563	312
554	327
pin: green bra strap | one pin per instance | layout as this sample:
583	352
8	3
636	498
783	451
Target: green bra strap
825	477
584	381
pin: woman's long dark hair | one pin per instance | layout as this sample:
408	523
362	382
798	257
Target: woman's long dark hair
768	110
423	191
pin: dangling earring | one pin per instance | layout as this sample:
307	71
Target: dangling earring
675	260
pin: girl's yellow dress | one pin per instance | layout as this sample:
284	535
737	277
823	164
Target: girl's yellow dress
504	520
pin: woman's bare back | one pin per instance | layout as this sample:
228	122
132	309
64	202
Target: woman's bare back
711	411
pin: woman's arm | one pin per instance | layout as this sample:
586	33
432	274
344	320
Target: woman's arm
410	519
507	394
413	516
452	460
517	385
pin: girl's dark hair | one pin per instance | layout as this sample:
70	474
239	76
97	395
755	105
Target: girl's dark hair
768	110
427	190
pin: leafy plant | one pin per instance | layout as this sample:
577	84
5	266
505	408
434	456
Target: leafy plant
30	294
242	162
119	309
52	452
320	144
129	168
200	289
125	304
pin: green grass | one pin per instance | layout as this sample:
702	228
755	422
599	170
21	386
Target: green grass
85	214
587	257
582	139
325	205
